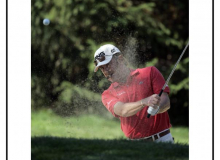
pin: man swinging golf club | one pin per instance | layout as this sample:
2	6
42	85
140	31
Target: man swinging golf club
131	93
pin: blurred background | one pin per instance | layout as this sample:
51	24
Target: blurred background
65	92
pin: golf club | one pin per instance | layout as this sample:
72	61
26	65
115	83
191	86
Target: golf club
148	115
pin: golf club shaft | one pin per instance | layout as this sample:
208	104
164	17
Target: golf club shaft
168	79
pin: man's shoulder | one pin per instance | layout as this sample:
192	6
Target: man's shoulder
145	69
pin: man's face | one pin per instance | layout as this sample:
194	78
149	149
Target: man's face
110	70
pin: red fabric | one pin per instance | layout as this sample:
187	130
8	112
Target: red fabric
141	83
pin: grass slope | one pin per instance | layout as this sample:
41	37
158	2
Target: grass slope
54	148
45	123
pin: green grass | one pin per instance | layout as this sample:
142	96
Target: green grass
91	137
181	134
46	123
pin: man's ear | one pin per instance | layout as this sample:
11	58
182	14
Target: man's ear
120	58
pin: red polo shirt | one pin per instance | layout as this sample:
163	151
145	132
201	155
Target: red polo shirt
141	83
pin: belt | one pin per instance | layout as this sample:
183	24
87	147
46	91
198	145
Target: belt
154	137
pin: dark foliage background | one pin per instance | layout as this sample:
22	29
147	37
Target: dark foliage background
147	32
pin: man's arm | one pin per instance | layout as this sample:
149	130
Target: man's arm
131	108
164	102
127	109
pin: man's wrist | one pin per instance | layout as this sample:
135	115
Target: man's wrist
142	104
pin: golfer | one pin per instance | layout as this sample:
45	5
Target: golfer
130	94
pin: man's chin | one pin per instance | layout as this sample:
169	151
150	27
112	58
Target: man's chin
112	79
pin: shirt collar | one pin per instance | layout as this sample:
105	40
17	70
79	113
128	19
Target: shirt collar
133	73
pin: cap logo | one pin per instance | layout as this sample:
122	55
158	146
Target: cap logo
100	55
99	58
113	50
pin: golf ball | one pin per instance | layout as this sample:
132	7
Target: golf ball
46	22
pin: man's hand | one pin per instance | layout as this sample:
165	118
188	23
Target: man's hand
155	102
152	101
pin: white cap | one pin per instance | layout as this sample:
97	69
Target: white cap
108	51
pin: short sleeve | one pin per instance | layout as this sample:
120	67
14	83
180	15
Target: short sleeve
109	101
158	81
